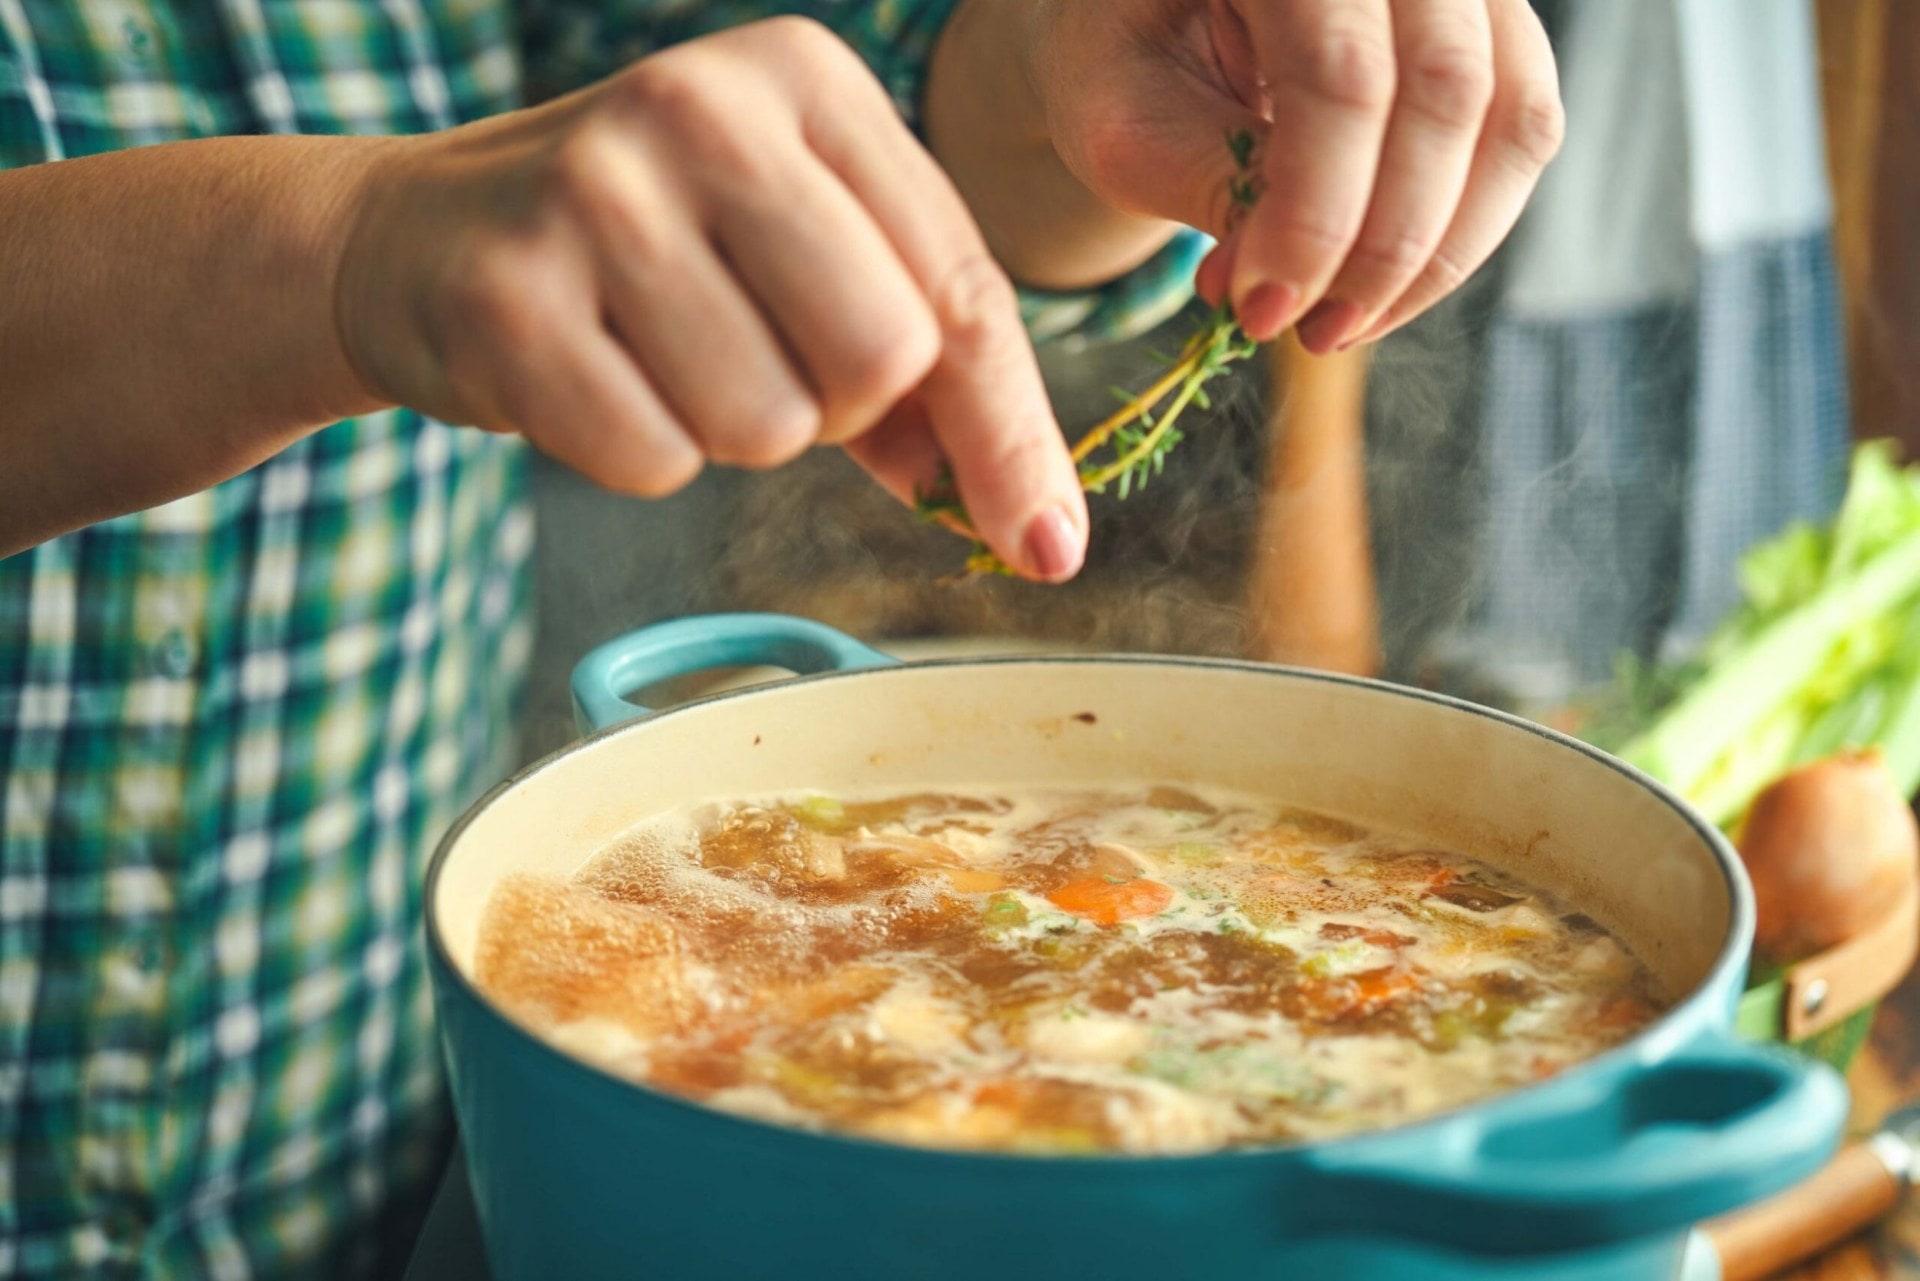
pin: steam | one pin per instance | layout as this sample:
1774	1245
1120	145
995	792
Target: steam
1164	572
1169	567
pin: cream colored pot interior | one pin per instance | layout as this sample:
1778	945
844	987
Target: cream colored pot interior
1551	812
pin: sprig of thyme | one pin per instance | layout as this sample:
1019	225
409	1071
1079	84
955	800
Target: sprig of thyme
1130	447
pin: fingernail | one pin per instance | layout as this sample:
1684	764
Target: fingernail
1267	310
1328	326
1054	547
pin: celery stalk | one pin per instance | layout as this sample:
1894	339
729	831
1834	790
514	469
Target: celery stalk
1899	736
1751	681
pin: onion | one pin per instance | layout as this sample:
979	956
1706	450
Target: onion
1830	848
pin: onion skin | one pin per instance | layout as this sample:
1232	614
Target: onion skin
1830	848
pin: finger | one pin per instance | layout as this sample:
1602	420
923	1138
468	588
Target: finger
1216	270
837	293
984	398
1524	127
1445	54
594	411
690	325
1329	72
990	412
901	453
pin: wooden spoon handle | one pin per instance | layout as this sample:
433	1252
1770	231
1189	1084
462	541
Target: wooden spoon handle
1853	1190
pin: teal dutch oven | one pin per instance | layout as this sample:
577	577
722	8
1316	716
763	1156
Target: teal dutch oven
580	1175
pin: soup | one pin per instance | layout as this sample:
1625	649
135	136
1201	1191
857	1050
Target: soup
1156	970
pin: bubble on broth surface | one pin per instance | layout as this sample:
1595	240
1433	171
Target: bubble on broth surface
1147	969
561	953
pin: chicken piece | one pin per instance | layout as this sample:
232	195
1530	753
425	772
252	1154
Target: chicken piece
1072	1035
911	1015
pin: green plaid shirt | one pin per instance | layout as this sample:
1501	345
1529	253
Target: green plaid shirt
231	728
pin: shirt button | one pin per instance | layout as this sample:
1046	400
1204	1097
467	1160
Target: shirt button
174	654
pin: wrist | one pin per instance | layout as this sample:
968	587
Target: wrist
990	121
364	194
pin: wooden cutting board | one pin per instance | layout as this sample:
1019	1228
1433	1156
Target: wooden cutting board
1886	1075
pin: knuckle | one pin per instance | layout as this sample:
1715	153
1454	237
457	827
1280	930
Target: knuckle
656	477
1319	235
577	175
1536	125
880	373
779	433
592	191
1400	253
670	90
1449	83
636	457
1349	68
809	39
677	104
497	297
974	303
1444	274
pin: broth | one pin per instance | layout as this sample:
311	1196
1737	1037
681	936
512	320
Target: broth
1152	970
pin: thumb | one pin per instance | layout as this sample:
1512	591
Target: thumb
1183	163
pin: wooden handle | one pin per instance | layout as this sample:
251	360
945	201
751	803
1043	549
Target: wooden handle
1854	1190
1311	585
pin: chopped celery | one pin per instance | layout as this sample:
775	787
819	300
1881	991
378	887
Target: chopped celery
822	813
1004	911
1349	957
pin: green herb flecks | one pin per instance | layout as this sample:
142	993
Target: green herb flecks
1004	911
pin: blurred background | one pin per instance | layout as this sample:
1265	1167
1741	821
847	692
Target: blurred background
1716	292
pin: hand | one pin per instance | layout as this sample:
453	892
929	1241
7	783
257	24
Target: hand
1398	140
730	251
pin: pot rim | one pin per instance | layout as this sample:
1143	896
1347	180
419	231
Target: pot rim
1660	1038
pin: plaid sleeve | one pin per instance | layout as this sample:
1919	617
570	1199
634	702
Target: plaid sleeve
572	42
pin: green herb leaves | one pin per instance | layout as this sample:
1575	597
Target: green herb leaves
1130	448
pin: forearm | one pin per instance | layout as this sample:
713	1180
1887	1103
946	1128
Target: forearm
167	321
985	121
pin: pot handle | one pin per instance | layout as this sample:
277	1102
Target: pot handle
1641	1149
603	679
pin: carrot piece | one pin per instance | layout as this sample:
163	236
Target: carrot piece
1425	871
1105	901
1375	988
1354	995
